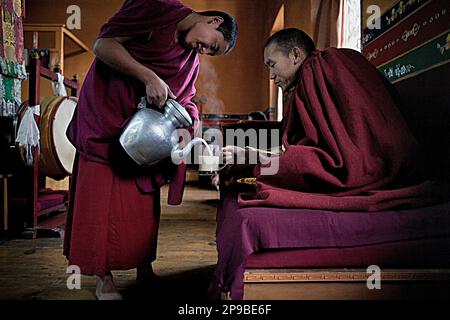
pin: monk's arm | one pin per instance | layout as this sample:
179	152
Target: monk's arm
113	53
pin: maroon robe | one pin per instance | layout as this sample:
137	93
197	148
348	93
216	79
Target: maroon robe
112	222
347	146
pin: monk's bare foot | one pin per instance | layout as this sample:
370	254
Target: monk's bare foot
106	290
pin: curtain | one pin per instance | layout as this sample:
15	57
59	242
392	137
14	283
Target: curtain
324	17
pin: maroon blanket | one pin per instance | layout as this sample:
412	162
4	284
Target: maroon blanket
347	146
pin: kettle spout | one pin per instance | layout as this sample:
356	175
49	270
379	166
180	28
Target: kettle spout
179	153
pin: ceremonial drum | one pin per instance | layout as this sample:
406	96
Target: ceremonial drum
57	154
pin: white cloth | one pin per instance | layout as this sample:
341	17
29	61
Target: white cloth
58	86
28	133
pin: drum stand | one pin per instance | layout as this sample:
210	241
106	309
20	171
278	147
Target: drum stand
33	227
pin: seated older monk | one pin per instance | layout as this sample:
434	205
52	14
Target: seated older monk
345	143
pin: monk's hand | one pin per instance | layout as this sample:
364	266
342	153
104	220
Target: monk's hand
233	155
157	91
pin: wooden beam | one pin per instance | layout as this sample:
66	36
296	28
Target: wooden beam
48	74
77	41
43	27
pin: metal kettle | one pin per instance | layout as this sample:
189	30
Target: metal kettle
148	136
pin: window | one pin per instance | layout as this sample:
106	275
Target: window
279	104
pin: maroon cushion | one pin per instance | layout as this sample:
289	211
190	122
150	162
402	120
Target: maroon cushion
424	253
49	199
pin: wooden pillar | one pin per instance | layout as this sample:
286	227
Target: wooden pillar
4	178
73	90
33	100
59	44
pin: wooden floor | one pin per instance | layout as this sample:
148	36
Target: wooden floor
36	269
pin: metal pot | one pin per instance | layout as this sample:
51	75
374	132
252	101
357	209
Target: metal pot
148	136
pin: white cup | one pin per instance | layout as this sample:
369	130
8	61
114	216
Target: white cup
208	163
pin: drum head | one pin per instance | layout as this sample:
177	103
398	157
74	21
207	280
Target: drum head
64	149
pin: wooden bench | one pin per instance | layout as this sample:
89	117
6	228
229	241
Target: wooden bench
344	284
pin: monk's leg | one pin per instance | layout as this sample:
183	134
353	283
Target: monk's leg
144	273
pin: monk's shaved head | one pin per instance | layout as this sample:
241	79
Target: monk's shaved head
285	40
228	27
284	53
